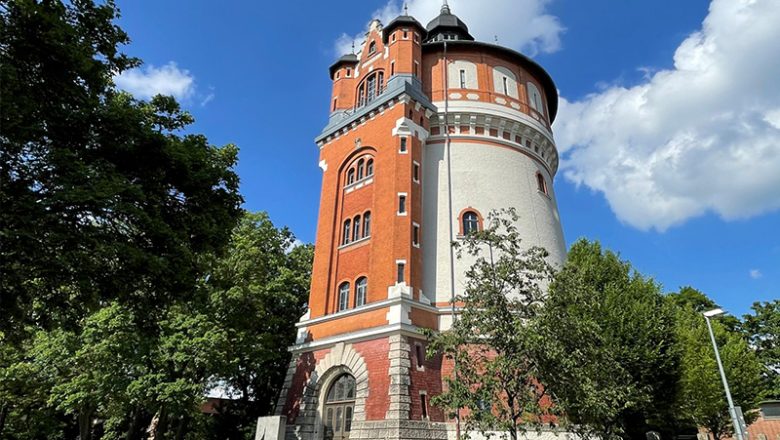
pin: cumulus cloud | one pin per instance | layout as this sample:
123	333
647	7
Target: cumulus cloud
755	274
520	24
147	81
703	136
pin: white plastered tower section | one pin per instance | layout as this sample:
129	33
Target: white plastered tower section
486	173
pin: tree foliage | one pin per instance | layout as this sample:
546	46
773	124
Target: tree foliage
610	357
102	198
701	397
109	380
762	330
124	296
494	353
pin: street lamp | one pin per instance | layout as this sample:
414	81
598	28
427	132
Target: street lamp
734	420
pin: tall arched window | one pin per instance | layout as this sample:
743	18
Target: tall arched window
541	184
360	169
361	285
370	167
356	229
339	408
345	238
470	222
372	47
343	296
351	176
535	98
367	224
370	88
505	82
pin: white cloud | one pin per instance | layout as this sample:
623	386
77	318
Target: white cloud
147	81
701	137
755	274
520	24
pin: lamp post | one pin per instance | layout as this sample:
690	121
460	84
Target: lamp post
732	411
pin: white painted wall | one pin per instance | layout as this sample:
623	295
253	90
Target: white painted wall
485	177
453	74
499	74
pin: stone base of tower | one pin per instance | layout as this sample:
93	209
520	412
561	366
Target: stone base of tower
392	388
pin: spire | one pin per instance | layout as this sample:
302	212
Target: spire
445	8
406	9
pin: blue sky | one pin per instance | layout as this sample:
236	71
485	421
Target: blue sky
661	162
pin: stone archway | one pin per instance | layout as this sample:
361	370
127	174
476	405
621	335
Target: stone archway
342	359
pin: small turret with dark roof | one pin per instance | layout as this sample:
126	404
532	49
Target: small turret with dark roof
447	26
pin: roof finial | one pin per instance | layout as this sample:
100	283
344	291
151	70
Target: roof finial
353	47
445	8
406	9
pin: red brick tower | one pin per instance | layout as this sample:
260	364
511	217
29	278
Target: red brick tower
426	125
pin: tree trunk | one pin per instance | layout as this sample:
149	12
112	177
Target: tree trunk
180	428
3	414
85	425
154	424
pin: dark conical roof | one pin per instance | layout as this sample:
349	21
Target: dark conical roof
401	20
448	23
349	58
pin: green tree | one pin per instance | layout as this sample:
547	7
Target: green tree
109	380
494	351
701	397
610	357
102	198
762	329
255	293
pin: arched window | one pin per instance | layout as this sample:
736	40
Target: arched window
505	82
372	47
360	169
370	167
339	408
535	98
370	88
360	291
351	176
462	74
356	229
470	222
541	183
343	296
347	224
367	224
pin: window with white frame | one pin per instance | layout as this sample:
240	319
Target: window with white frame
361	287
505	82
343	296
535	98
470	222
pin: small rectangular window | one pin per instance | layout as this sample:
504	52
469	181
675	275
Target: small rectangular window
420	355
416	68
416	235
402	204
393	37
424	406
338	74
416	172
392	68
406	34
334	103
402	148
349	71
401	268
462	79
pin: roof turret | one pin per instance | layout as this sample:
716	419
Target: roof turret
447	26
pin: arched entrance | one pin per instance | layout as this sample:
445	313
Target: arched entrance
339	408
